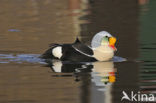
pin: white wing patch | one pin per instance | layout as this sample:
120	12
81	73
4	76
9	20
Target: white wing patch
57	52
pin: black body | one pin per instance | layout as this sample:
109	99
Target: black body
76	51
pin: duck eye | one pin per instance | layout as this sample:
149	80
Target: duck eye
106	36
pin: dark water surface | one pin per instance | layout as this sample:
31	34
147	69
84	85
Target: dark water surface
28	26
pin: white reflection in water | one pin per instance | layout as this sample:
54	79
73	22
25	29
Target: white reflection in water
103	73
103	76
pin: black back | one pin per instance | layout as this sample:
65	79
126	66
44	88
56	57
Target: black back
82	47
71	52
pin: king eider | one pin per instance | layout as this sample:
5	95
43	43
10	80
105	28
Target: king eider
102	49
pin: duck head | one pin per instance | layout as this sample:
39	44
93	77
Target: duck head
103	38
103	44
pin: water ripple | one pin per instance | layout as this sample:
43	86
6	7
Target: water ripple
35	58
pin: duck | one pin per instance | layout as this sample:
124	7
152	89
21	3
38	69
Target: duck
102	49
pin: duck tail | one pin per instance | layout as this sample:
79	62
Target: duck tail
47	54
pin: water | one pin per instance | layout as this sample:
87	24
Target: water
28	26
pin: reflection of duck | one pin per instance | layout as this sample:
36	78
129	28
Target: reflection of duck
104	70
61	67
103	76
102	49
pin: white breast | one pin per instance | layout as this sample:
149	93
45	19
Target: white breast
103	53
57	52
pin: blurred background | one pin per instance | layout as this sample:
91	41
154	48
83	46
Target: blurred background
27	27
